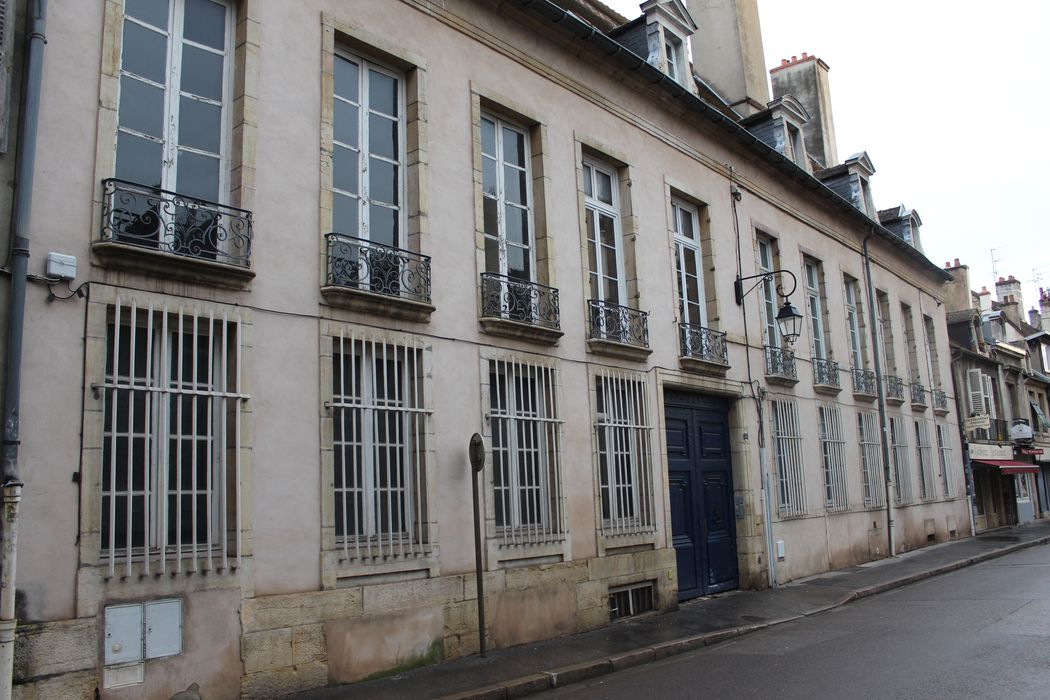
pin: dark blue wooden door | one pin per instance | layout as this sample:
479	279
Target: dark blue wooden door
700	481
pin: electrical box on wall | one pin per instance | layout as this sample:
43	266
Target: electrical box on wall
60	266
137	632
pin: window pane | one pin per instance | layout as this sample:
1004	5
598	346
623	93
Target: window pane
607	230
603	186
588	174
206	23
517	225
382	93
490	212
200	125
138	160
491	254
687	230
153	11
514	185
345	170
518	262
382	181
346	127
347	79
488	138
344	214
382	225
609	266
141	107
489	177
144	52
198	176
513	147
382	136
201	73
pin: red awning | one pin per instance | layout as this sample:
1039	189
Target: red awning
1009	466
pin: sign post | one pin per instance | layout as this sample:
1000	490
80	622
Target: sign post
476	451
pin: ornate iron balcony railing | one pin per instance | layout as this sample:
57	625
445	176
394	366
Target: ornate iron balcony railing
894	387
620	324
381	269
519	300
825	372
864	381
918	393
940	400
704	344
780	362
149	217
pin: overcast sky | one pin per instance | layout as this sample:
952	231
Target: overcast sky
950	101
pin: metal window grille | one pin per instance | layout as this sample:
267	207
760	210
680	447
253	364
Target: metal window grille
944	452
901	463
379	427
871	459
833	451
928	485
526	446
627	601
171	447
623	436
787	446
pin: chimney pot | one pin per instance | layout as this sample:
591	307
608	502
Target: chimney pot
804	55
794	58
957	262
785	62
947	265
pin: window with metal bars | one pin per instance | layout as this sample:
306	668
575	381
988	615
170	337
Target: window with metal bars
944	453
171	439
526	444
871	458
379	428
787	452
833	451
627	601
901	463
928	482
622	434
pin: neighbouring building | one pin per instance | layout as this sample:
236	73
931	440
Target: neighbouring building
325	242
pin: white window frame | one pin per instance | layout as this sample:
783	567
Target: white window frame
851	290
928	481
499	124
766	261
815	308
871	459
598	208
673	53
833	454
688	246
901	462
789	459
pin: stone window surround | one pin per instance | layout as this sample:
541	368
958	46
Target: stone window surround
680	191
334	571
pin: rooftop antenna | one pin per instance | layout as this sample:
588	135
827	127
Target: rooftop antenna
995	267
1037	275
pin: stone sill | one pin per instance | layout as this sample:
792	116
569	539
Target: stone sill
168	265
864	396
377	304
894	401
782	379
602	346
830	389
918	406
702	366
942	411
518	329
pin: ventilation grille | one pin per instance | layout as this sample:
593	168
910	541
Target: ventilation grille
628	601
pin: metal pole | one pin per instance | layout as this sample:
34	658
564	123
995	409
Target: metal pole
477	463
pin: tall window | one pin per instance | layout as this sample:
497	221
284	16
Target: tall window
766	262
901	463
175	81
673	50
379	418
833	452
526	443
932	356
871	458
909	341
928	484
604	244
944	453
171	439
368	125
507	194
856	339
885	331
622	433
814	299
787	451
689	263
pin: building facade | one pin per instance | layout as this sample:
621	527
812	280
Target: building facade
323	243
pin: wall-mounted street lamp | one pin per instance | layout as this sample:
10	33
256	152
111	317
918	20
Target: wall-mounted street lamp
789	320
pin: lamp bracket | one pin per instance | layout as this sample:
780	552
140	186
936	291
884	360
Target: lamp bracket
738	285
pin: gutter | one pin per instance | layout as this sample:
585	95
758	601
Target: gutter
603	44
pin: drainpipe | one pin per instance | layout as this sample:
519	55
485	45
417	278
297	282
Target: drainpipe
887	478
12	483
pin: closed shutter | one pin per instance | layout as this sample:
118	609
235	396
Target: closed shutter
1045	424
975	390
989	397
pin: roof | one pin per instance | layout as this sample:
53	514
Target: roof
961	316
587	33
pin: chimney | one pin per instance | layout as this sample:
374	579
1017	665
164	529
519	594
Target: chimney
806	79
727	52
1008	287
985	299
1033	317
1011	309
1044	309
957	292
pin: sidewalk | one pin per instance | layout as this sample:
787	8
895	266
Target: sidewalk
533	668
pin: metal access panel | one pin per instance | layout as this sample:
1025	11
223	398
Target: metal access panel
123	634
163	628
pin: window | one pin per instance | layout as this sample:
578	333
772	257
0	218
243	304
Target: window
833	447
787	451
853	324
171	440
930	333
814	299
766	264
944	453
909	341
672	49
871	458
368	125
526	445
928	483
885	331
689	263
901	464
379	428
1021	484
604	245
798	149
622	433
507	194
1039	420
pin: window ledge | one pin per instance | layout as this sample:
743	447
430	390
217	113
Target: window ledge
518	329
612	348
941	411
894	401
830	389
782	379
168	265
377	304
918	406
864	396
701	366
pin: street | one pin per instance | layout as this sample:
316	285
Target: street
980	632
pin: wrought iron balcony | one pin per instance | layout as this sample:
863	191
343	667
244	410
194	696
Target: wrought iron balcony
159	220
894	388
520	301
780	363
826	373
940	401
618	324
918	394
704	344
360	264
864	382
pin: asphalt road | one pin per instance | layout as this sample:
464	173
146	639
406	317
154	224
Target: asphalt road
980	632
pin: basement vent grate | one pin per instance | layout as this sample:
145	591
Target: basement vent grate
628	601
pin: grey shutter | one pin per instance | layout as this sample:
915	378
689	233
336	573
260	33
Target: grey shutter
975	391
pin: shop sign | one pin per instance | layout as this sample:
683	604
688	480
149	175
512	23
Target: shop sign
977	423
1031	450
982	451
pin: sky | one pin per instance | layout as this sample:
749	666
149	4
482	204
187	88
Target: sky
949	98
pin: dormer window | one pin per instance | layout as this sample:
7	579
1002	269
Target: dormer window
796	144
672	52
